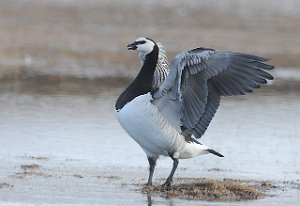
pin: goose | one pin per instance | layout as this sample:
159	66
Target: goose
167	108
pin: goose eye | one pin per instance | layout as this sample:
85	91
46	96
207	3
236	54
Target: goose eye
141	42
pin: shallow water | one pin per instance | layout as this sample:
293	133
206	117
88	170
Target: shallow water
86	158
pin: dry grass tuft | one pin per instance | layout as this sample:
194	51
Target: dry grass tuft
38	158
23	175
30	166
5	185
209	190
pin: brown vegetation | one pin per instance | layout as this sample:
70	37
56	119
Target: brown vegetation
211	190
30	166
5	185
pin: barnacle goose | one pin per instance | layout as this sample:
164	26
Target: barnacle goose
166	109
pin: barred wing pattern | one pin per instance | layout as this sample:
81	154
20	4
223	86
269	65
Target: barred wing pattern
190	95
162	67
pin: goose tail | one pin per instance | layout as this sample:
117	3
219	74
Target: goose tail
215	152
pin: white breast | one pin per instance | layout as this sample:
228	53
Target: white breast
149	128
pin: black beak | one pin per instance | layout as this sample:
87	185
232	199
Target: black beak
132	46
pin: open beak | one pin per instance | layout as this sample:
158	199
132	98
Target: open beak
132	46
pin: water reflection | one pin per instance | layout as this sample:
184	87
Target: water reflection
150	201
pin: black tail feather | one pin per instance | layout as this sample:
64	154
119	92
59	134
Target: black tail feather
215	152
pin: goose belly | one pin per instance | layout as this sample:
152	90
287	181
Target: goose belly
148	127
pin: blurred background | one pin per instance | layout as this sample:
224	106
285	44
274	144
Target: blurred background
62	43
63	64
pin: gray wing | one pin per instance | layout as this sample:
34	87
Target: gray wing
162	67
190	95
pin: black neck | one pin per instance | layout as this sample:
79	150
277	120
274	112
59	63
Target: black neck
142	83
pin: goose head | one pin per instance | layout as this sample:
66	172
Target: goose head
143	45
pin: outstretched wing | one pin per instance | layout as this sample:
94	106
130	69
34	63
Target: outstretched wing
190	95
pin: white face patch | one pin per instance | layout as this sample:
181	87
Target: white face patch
146	47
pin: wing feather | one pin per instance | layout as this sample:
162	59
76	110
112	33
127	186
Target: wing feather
193	100
190	95
213	101
162	67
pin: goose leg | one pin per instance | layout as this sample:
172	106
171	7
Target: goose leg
170	178
152	163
